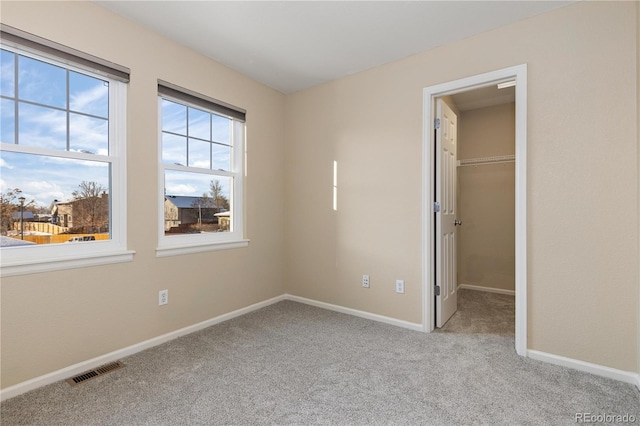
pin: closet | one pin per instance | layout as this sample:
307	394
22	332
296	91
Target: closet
486	196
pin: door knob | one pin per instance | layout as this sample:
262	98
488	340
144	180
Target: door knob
457	222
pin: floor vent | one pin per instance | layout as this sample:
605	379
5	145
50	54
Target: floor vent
91	374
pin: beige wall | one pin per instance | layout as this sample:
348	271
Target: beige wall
53	320
582	167
583	266
486	198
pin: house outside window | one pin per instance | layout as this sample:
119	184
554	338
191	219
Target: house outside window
62	156
201	148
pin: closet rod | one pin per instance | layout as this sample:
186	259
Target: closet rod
487	160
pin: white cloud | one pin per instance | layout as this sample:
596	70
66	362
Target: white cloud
181	189
47	178
202	164
40	185
45	192
43	127
5	164
88	134
87	100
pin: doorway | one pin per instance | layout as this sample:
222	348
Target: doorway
431	204
484	213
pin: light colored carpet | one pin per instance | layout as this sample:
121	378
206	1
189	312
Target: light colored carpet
483	312
291	363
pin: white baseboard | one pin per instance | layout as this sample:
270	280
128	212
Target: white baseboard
598	370
487	289
362	314
72	370
83	366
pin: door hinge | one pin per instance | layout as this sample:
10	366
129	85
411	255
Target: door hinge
436	206
437	290
436	123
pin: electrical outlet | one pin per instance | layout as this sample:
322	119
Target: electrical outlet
163	297
400	286
365	281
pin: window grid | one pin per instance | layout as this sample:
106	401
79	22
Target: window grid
211	140
17	100
190	127
80	118
30	153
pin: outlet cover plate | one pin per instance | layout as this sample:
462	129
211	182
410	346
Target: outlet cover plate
163	297
365	281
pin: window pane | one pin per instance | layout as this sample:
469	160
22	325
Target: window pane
7	73
42	127
88	95
199	125
199	154
41	82
221	129
89	135
174	149
7	121
66	200
174	117
221	157
196	203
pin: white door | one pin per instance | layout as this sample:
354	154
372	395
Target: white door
446	183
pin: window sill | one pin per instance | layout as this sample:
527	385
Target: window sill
34	266
178	250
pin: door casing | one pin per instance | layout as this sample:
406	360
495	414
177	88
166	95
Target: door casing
519	74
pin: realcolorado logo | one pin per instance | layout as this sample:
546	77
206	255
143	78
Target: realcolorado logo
604	418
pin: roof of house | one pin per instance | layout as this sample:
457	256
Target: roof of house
25	215
183	201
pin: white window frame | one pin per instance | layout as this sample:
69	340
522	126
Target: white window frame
22	260
175	245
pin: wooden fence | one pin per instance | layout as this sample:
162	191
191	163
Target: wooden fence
60	238
49	228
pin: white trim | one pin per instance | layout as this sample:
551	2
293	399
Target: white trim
598	370
33	266
179	244
49	152
119	167
487	289
54	257
64	373
167	251
362	314
193	169
519	73
80	367
521	209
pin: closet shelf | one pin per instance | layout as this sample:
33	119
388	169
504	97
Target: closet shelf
487	160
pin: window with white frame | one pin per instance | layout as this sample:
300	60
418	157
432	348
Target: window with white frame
62	153
201	172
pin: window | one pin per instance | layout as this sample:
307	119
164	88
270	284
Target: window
62	129
201	166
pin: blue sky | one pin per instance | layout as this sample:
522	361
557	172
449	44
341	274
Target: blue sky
48	119
208	147
43	109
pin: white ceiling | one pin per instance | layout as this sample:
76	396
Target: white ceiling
293	45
